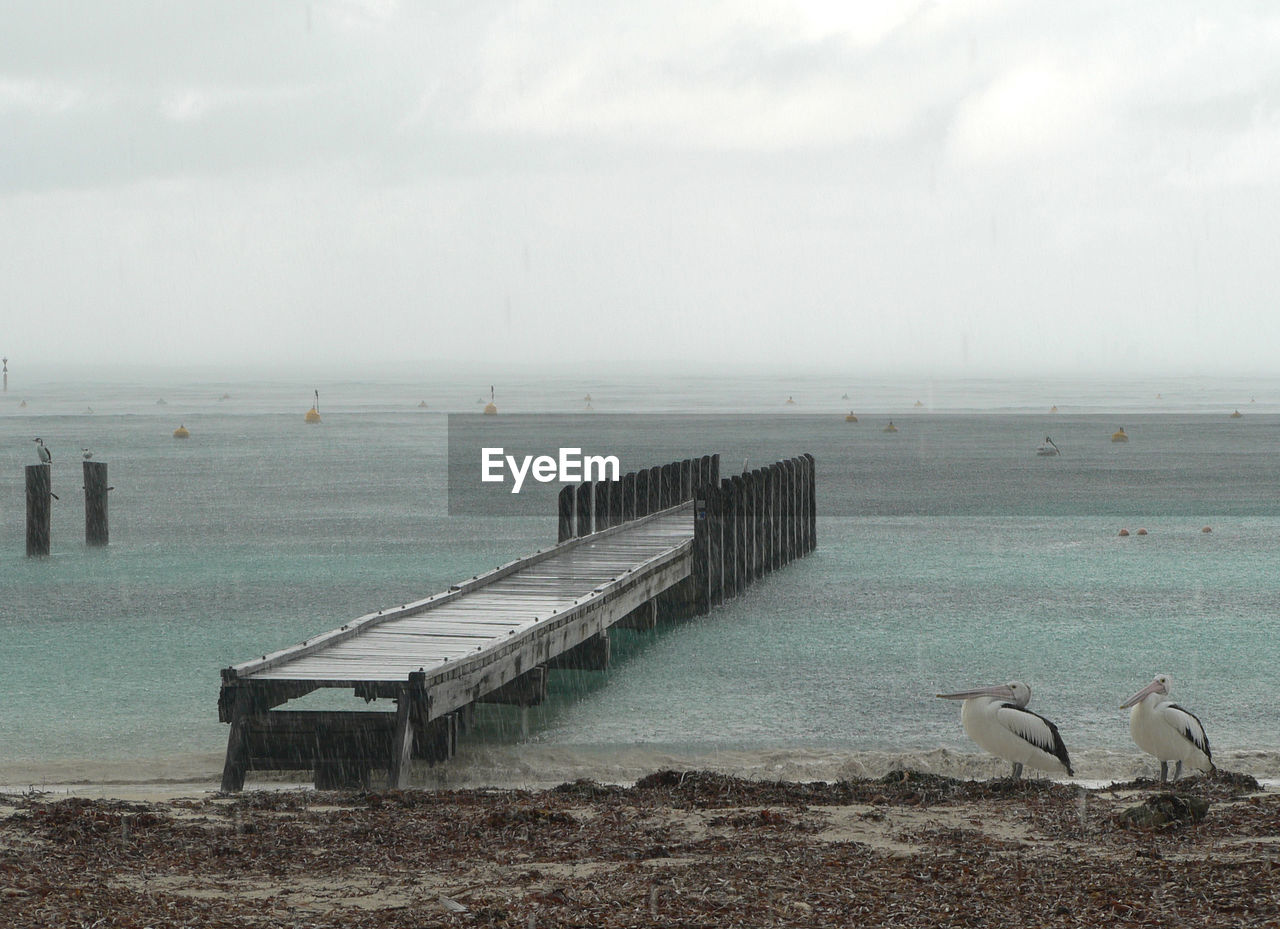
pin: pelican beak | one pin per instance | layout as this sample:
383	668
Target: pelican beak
1153	688
1003	691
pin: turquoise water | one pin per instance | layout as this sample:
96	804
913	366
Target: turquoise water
949	556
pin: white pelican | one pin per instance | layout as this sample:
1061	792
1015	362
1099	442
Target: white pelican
998	720
1166	730
46	456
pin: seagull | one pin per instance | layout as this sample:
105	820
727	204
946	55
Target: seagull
998	720
46	456
86	453
1166	730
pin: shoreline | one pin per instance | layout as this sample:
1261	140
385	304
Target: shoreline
678	848
540	766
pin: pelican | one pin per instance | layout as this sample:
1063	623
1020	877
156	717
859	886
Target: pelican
1166	730
46	456
998	720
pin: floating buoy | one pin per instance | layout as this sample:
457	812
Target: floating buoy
851	418
491	408
918	403
1207	529
181	433
791	401
313	414
891	427
1119	435
1142	532
1054	408
422	404
1124	533
1236	415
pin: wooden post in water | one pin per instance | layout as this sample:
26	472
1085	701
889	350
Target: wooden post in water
629	496
730	517
789	512
715	558
686	480
802	507
602	504
798	530
741	544
813	501
757	547
655	489
714	476
39	509
766	545
616	490
642	493
701	551
584	508
564	531
95	503
670	484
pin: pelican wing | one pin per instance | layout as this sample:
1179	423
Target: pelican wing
1187	725
1036	730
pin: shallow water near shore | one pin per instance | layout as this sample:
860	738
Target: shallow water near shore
949	556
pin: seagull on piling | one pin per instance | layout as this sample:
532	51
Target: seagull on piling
997	719
1162	728
46	456
86	453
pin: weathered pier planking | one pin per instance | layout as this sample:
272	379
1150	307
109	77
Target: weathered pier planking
651	546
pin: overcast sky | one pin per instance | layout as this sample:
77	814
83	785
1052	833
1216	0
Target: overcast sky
978	186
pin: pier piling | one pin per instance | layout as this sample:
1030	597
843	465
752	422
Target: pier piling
39	509
95	503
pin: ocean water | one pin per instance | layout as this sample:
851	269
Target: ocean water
949	556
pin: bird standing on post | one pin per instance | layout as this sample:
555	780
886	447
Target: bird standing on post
998	720
1162	728
46	456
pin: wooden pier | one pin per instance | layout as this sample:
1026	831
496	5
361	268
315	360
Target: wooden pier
663	543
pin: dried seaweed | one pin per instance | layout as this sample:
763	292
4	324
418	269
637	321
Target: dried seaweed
677	849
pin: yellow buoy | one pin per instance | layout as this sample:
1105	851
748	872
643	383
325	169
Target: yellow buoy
1236	415
422	404
851	418
918	403
891	427
491	408
313	414
1054	408
791	401
1119	435
182	432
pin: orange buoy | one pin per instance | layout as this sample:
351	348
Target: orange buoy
1124	533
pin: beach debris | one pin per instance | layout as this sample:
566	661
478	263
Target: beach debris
1165	810
453	906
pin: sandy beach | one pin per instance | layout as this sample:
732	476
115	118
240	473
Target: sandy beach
675	849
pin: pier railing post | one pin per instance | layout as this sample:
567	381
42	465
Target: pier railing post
95	503
564	531
701	551
584	508
813	501
39	509
642	493
715	533
789	512
629	496
655	489
616	490
741	527
730	517
686	480
714	475
602	504
757	528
